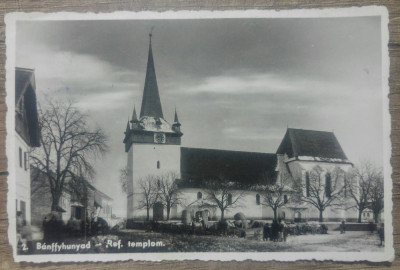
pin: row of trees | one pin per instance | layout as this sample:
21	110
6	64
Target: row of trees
156	188
69	146
360	188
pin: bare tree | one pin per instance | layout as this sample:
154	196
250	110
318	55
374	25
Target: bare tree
123	178
68	146
223	194
360	183
376	197
169	190
322	189
275	195
148	189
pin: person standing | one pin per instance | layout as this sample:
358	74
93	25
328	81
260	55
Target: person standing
281	228
381	232
342	227
284	230
275	231
266	232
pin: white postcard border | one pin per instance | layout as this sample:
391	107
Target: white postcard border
388	254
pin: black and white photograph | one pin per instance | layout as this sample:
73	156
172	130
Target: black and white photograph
229	135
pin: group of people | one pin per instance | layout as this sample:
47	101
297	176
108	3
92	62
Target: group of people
277	232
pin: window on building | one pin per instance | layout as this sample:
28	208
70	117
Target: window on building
307	184
283	215
258	199
23	209
25	161
285	199
229	198
20	157
328	185
158	164
199	195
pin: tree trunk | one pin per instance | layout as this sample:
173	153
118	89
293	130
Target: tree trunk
55	201
275	213
320	215
168	210
222	214
376	217
148	213
359	215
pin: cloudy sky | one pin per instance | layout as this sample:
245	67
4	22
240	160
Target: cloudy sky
236	83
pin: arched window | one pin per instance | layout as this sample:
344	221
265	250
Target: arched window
229	198
199	195
258	199
285	199
328	185
307	184
158	164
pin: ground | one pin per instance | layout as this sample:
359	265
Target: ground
140	241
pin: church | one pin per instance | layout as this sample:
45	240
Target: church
153	147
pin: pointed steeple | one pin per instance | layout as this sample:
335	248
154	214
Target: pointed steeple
134	116
176	126
151	104
128	127
176	120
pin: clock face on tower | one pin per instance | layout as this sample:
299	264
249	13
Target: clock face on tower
159	137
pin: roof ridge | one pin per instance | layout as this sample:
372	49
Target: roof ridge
226	150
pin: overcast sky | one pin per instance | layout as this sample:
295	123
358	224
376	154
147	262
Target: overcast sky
237	84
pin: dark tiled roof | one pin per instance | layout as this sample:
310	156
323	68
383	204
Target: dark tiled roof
23	77
244	168
26	120
151	104
311	143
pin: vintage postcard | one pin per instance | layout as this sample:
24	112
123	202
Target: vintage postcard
199	135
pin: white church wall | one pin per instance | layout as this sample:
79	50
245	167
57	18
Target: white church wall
247	205
299	170
145	160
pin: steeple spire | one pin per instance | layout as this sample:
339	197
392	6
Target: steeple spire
176	126
151	104
128	127
134	116
176	120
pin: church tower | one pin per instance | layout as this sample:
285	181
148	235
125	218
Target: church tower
152	144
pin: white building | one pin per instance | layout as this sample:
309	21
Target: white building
27	136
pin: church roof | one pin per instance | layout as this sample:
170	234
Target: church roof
151	104
244	168
306	144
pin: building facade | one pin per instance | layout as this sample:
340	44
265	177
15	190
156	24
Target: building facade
153	148
82	203
26	136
